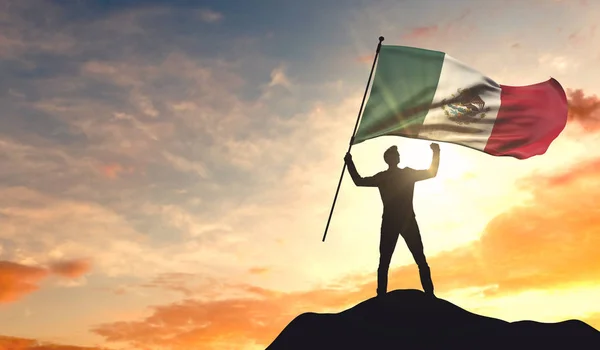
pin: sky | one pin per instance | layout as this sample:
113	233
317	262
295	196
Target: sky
167	170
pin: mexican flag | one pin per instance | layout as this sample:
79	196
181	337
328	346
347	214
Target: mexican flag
430	95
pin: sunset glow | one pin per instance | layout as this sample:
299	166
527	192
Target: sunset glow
167	170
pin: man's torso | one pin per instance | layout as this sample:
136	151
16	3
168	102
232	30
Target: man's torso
396	187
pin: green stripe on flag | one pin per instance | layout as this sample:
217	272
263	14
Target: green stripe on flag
403	89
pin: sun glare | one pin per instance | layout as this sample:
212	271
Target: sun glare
454	163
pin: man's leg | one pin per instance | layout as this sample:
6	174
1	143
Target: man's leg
387	244
412	237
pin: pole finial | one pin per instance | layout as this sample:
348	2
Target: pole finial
381	38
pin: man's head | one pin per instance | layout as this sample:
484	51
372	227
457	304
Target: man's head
391	156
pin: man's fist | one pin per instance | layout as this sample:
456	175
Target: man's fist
348	157
435	147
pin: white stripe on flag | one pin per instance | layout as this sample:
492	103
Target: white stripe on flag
455	75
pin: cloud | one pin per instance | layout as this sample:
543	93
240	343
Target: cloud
210	16
18	280
154	124
113	170
365	58
421	32
132	100
584	110
19	38
444	31
15	343
550	242
254	319
574	37
145	105
40	227
183	164
71	268
279	78
279	86
178	282
580	172
558	63
121	290
258	270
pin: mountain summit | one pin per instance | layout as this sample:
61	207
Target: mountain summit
409	319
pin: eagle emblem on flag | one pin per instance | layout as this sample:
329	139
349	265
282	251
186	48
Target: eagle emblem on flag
465	107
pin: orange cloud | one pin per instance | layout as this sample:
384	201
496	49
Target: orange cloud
552	241
231	323
447	31
258	270
584	110
71	268
365	58
112	170
13	343
422	32
119	291
17	280
581	172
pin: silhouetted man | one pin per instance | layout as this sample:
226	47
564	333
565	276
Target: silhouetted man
396	186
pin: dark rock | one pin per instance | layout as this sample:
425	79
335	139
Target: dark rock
409	319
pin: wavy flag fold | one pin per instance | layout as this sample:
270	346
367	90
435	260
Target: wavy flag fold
430	95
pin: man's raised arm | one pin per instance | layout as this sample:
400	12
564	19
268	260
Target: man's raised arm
358	180
433	168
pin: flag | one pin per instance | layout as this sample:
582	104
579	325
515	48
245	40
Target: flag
430	95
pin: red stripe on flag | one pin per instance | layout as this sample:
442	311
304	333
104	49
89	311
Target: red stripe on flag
529	119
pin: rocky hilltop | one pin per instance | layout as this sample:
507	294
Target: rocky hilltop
408	319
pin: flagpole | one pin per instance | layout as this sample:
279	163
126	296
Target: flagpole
353	133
